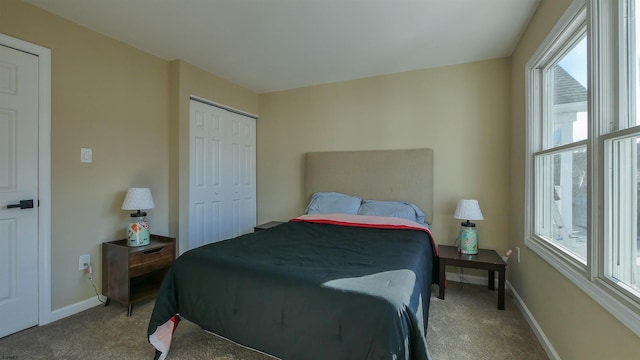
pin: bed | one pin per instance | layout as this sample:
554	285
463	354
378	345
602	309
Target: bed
322	285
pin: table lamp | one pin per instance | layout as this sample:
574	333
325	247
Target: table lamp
138	233
468	236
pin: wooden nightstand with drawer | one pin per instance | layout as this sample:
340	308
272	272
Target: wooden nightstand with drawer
268	225
130	274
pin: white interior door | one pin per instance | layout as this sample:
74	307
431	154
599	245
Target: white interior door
222	189
18	181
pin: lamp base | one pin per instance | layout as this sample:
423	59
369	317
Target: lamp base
468	240
138	234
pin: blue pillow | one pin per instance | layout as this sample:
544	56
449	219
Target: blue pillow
333	203
397	209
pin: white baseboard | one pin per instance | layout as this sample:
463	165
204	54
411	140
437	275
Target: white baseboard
537	330
74	308
546	344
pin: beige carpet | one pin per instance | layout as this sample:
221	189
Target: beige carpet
466	325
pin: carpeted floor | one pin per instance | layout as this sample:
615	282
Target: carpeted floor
466	325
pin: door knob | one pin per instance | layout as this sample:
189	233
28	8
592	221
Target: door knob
24	204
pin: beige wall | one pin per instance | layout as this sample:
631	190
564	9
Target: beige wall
459	111
129	107
109	97
577	327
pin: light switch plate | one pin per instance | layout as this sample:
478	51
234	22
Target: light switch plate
86	155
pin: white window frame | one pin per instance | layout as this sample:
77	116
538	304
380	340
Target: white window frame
617	226
602	29
563	36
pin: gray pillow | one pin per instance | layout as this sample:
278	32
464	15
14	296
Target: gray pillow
397	209
333	203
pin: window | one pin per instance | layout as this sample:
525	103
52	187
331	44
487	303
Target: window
560	167
622	255
622	178
582	206
560	144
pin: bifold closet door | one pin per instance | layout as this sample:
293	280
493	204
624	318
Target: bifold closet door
242	181
222	185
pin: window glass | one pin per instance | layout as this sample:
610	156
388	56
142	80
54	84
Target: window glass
561	185
623	249
568	110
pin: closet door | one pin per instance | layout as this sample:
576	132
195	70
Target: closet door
242	192
222	189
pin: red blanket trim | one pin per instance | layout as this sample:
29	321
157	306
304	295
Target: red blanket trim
361	221
175	319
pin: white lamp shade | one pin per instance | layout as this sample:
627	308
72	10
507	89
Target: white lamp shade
138	199
468	210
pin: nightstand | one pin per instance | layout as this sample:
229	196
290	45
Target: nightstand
268	225
485	259
130	274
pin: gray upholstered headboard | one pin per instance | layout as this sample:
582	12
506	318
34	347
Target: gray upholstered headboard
394	175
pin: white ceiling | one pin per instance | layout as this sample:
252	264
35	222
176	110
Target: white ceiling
270	45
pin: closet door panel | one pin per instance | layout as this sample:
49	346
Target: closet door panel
222	195
206	201
244	177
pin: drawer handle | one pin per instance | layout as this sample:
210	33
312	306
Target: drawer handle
152	251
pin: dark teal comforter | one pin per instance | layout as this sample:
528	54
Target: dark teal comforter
309	291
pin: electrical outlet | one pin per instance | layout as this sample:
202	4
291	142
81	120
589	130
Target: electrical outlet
518	253
84	261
